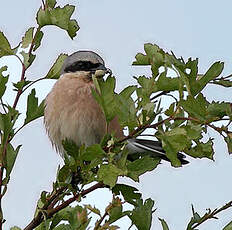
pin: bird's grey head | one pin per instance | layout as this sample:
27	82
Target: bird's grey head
83	61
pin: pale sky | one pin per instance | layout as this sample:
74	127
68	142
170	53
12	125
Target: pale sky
117	31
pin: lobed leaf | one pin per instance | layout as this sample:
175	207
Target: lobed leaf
228	140
92	152
201	150
54	72
34	110
140	166
37	39
196	107
109	173
3	81
28	58
130	194
28	37
228	226
213	72
20	85
141	216
164	224
105	96
5	48
59	17
11	155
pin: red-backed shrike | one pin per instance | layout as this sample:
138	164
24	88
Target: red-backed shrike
71	111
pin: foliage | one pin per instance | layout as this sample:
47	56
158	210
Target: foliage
181	128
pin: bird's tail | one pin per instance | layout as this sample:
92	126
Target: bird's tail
154	149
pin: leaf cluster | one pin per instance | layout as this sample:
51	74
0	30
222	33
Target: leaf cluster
182	127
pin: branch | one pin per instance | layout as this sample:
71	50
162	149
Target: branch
50	212
146	126
24	69
32	83
100	221
211	215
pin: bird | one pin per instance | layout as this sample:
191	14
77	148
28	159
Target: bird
71	111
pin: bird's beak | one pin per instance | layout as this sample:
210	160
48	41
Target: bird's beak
108	71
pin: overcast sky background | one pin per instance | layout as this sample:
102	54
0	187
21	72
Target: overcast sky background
117	30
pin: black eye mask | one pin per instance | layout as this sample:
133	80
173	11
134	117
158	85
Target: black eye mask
84	66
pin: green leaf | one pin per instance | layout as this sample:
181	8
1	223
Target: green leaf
148	86
34	110
65	174
214	71
59	17
11	155
63	227
126	111
194	219
128	91
15	228
142	215
196	107
156	57
167	84
7	122
51	3
93	209
170	110
20	85
164	224
43	197
115	214
27	59
141	59
3	81
44	225
228	226
77	217
28	37
174	141
37	39
106	97
201	150
92	152
54	72
217	110
5	48
109	174
64	214
71	148
228	140
140	166
193	131
130	194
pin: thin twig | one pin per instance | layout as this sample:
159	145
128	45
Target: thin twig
212	214
32	83
100	221
19	91
24	68
3	106
159	94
